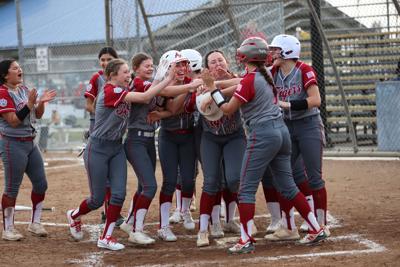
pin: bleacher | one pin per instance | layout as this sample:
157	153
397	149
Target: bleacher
362	59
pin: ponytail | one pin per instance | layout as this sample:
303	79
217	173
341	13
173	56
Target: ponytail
263	71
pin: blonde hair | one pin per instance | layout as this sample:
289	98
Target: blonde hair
113	66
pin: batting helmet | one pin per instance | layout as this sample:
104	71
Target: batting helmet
253	49
173	56
212	112
194	57
289	45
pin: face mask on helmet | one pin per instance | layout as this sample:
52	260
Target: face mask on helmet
253	49
289	45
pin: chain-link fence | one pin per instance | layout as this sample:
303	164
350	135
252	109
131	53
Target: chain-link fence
363	36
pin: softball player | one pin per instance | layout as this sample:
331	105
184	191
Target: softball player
19	108
105	156
268	142
176	149
299	97
226	203
195	66
96	83
223	139
141	152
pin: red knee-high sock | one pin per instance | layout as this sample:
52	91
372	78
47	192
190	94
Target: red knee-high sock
207	202
300	203
82	210
112	215
8	207
37	206
231	201
304	188
131	211
141	207
321	206
246	211
287	211
270	194
107	199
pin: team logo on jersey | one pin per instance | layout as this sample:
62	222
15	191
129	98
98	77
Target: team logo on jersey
3	102
118	90
122	110
310	74
89	87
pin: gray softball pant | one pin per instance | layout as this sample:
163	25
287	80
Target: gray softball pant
298	172
21	157
105	159
177	150
214	148
308	139
140	151
268	144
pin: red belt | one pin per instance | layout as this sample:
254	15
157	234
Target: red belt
182	131
21	139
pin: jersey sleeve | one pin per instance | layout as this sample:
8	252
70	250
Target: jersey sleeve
140	85
91	89
6	102
113	96
308	75
245	90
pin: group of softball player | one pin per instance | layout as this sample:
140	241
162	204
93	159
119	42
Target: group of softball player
262	127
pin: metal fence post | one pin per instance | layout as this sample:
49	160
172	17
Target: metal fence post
108	22
317	58
335	70
19	33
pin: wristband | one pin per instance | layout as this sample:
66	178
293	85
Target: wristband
218	97
22	113
298	104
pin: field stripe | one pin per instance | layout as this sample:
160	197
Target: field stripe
372	247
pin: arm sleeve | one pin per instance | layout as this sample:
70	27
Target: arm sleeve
6	102
113	96
245	90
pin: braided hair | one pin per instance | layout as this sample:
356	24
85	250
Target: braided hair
263	71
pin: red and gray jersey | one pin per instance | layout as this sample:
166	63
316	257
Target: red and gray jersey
95	84
112	113
185	120
13	101
138	115
294	87
258	100
224	126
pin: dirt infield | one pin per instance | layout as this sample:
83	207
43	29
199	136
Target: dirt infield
364	201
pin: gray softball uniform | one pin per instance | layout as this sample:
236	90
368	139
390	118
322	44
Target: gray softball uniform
222	139
298	171
305	126
176	148
18	151
140	145
105	155
268	140
96	83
